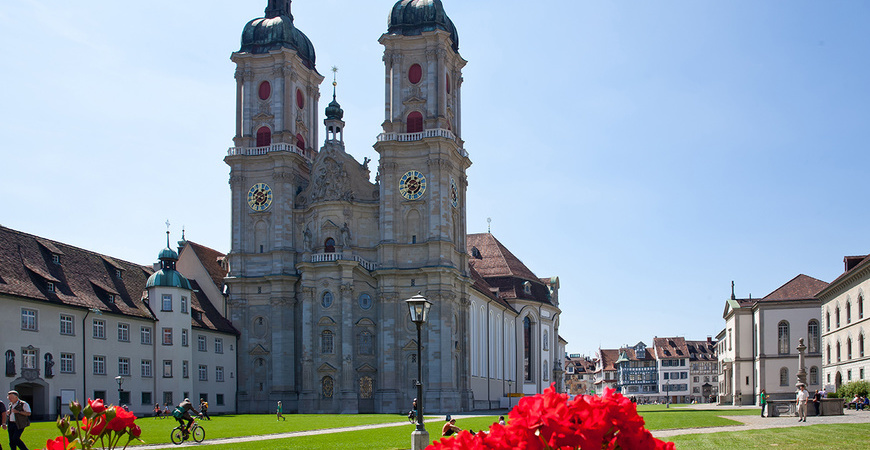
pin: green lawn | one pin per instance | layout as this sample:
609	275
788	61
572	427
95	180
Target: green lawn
834	436
658	417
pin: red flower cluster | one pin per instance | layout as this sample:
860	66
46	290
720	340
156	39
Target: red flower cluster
100	423
550	421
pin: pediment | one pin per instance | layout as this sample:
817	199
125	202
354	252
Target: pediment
366	368
411	345
263	117
258	350
326	321
365	322
327	367
414	102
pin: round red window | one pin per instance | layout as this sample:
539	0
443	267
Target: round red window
415	74
265	90
300	99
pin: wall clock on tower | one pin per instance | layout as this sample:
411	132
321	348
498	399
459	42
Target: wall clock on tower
260	197
412	186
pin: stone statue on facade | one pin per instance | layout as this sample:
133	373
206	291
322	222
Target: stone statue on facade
345	236
49	365
10	363
306	239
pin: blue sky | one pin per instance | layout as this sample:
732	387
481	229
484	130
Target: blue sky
647	153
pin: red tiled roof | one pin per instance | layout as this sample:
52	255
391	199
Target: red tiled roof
702	350
849	260
671	347
211	260
497	260
83	278
210	318
488	291
801	287
608	358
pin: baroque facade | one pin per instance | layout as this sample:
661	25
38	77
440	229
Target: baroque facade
323	258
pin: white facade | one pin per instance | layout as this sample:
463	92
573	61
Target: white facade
845	325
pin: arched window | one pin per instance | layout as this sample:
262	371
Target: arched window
783	376
527	348
860	307
837	317
327	385
814	336
264	137
329	245
326	342
300	142
839	354
861	345
366	343
814	375
414	123
829	353
848	312
783	338
828	320
848	349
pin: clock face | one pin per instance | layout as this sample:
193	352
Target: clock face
454	193
412	185
260	197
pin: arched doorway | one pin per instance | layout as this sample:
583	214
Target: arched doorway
838	381
35	393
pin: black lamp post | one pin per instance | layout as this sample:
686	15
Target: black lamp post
419	309
668	392
120	381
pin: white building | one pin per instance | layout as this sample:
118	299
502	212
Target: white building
75	320
758	347
845	324
673	356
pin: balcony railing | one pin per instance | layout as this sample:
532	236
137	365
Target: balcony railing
331	257
411	137
259	151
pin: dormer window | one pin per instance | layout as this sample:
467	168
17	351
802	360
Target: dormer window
49	286
55	258
119	274
475	252
527	288
111	298
197	314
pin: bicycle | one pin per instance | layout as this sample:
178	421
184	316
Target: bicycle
178	436
412	416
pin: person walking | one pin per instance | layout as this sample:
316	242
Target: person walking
19	418
280	412
203	408
802	397
762	398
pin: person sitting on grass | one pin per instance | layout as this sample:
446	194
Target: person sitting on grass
450	428
182	413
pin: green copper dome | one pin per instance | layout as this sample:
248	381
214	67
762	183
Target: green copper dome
334	111
167	278
167	253
412	17
276	31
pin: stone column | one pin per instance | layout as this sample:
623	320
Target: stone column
802	367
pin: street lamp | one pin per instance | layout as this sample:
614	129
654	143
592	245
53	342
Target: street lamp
668	392
120	381
419	309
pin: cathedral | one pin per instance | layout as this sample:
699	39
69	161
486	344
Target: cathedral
323	258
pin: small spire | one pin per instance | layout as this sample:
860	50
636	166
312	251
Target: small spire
277	8
733	297
334	80
167	234
489	225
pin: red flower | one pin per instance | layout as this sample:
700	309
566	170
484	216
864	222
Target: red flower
549	421
59	443
123	419
94	426
97	405
135	431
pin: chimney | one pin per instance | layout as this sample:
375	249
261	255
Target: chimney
709	339
852	261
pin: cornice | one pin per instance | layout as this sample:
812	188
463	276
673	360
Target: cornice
838	287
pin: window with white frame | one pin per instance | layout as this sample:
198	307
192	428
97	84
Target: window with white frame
184	304
99	365
185	369
145	335
123	332
28	358
99	329
124	367
167	336
167	368
201	343
145	367
218	345
67	363
49	286
184	334
203	372
67	325
167	303
28	320
219	373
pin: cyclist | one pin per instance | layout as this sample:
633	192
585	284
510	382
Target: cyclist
182	413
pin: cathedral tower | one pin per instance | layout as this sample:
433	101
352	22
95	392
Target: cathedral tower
423	184
275	137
